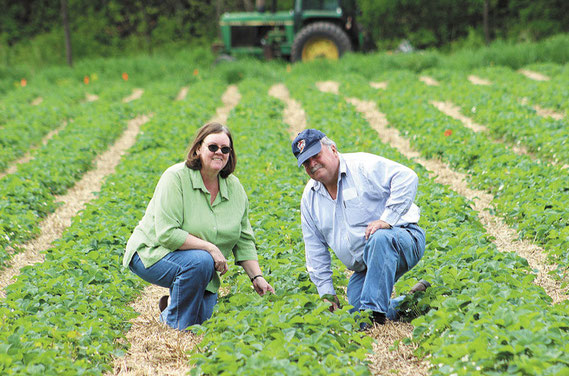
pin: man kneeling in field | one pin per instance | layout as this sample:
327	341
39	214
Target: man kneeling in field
361	206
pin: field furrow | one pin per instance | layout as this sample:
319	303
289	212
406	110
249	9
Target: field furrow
503	114
475	285
151	343
491	167
68	314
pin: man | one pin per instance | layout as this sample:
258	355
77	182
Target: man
361	206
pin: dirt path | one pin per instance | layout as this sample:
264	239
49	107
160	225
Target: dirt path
429	81
450	109
506	239
378	85
230	99
155	348
382	361
543	112
182	94
534	75
74	200
294	115
37	101
478	80
402	361
91	97
136	94
13	167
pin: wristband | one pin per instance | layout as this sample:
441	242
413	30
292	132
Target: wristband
255	277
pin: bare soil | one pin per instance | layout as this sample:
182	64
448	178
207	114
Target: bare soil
13	167
478	81
136	94
73	201
429	81
506	239
534	75
155	348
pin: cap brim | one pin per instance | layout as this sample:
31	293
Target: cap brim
310	152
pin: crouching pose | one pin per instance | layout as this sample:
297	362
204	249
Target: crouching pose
361	206
197	218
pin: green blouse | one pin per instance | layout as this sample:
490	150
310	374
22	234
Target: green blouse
180	205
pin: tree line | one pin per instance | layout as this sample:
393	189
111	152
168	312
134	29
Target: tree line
110	27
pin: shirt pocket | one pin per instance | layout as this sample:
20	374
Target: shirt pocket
355	212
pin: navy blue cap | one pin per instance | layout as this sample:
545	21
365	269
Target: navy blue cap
307	144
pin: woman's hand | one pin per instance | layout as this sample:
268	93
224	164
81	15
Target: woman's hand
262	286
219	261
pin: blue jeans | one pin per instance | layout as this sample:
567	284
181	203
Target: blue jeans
186	274
388	254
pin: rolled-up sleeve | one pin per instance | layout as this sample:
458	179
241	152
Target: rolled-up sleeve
318	258
401	182
169	212
245	248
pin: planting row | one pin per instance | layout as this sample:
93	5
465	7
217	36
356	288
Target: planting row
549	94
65	316
501	110
291	332
23	125
491	167
27	195
485	315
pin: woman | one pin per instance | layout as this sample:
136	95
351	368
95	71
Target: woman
197	216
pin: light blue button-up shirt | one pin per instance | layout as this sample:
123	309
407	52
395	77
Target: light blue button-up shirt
370	187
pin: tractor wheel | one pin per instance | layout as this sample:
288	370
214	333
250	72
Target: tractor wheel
320	40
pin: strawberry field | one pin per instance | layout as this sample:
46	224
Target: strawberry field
498	303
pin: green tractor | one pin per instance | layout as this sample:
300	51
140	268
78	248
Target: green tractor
314	29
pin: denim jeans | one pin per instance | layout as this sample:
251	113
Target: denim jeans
186	274
388	254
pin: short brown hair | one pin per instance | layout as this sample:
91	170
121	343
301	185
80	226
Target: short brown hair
194	162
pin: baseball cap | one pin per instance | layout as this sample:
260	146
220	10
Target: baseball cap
307	144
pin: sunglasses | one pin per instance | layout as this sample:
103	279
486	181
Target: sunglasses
224	149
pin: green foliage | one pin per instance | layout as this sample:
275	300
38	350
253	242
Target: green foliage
64	316
483	315
437	23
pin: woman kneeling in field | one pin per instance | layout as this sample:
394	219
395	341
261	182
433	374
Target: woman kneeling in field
197	216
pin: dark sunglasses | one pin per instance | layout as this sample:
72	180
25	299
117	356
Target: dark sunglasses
224	149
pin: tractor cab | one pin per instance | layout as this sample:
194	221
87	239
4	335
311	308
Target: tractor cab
313	29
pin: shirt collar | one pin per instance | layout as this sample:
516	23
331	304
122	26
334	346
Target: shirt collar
197	183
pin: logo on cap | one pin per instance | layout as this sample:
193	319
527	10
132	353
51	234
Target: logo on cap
300	145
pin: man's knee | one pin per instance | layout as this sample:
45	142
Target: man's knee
381	240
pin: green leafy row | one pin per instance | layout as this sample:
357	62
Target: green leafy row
64	316
549	94
23	125
486	316
491	167
501	111
27	195
291	332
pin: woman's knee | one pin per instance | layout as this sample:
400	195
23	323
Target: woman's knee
198	261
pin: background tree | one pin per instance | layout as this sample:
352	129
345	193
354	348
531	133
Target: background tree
65	20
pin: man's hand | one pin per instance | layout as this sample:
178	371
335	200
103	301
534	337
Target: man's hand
262	286
334	304
374	226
